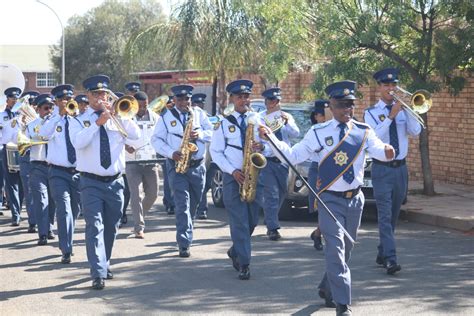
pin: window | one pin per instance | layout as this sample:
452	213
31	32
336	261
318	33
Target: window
45	79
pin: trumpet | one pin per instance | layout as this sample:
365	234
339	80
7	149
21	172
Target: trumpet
420	102
125	108
72	107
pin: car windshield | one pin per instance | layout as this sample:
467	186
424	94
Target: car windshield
303	121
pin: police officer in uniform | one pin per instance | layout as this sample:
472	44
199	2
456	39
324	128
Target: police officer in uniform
341	143
63	177
227	151
12	179
390	179
141	165
101	158
132	87
318	115
83	103
199	100
274	176
187	188
43	207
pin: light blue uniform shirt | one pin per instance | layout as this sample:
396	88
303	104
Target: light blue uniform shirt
226	142
377	118
166	137
326	140
85	137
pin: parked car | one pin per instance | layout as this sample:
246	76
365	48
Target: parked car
297	196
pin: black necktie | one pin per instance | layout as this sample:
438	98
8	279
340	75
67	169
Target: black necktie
393	133
71	152
348	176
243	128
279	134
105	159
9	112
184	119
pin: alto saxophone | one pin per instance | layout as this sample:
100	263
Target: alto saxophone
253	162
187	148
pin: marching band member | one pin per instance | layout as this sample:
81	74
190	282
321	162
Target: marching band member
198	100
83	104
318	116
341	143
101	158
171	131
390	179
63	177
12	179
227	151
132	87
168	198
43	206
141	165
274	176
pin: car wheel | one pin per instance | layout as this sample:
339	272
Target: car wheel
286	211
217	185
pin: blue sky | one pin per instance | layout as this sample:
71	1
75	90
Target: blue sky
18	15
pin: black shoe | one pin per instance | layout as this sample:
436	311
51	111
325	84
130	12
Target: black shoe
244	273
51	235
328	302
202	216
393	267
32	229
184	252
124	219
1	213
273	234
343	310
170	211
66	258
379	260
15	224
98	284
110	275
235	263
317	241
42	241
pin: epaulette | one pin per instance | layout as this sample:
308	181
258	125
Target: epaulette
361	125
321	125
164	111
371	107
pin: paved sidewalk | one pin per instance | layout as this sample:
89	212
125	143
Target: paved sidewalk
452	207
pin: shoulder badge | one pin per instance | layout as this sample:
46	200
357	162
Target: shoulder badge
87	123
231	128
329	141
173	123
5	118
382	117
217	125
36	129
59	129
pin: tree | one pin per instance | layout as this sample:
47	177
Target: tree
428	40
95	41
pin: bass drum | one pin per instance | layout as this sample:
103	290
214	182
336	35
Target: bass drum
10	76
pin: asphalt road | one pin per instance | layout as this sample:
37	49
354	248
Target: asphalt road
437	276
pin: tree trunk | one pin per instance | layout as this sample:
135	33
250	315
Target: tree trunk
222	93
428	185
214	96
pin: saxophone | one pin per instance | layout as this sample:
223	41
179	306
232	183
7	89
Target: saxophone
253	162
186	148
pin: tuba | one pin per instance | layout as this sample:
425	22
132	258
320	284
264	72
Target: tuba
253	162
186	148
159	104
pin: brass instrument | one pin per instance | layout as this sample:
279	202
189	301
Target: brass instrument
252	164
187	148
23	143
159	104
26	111
72	107
125	108
420	102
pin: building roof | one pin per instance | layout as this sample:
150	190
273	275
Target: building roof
29	58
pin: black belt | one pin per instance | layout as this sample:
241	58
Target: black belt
391	164
195	163
71	170
274	159
39	162
101	178
346	194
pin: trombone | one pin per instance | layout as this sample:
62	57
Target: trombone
23	143
420	102
125	108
